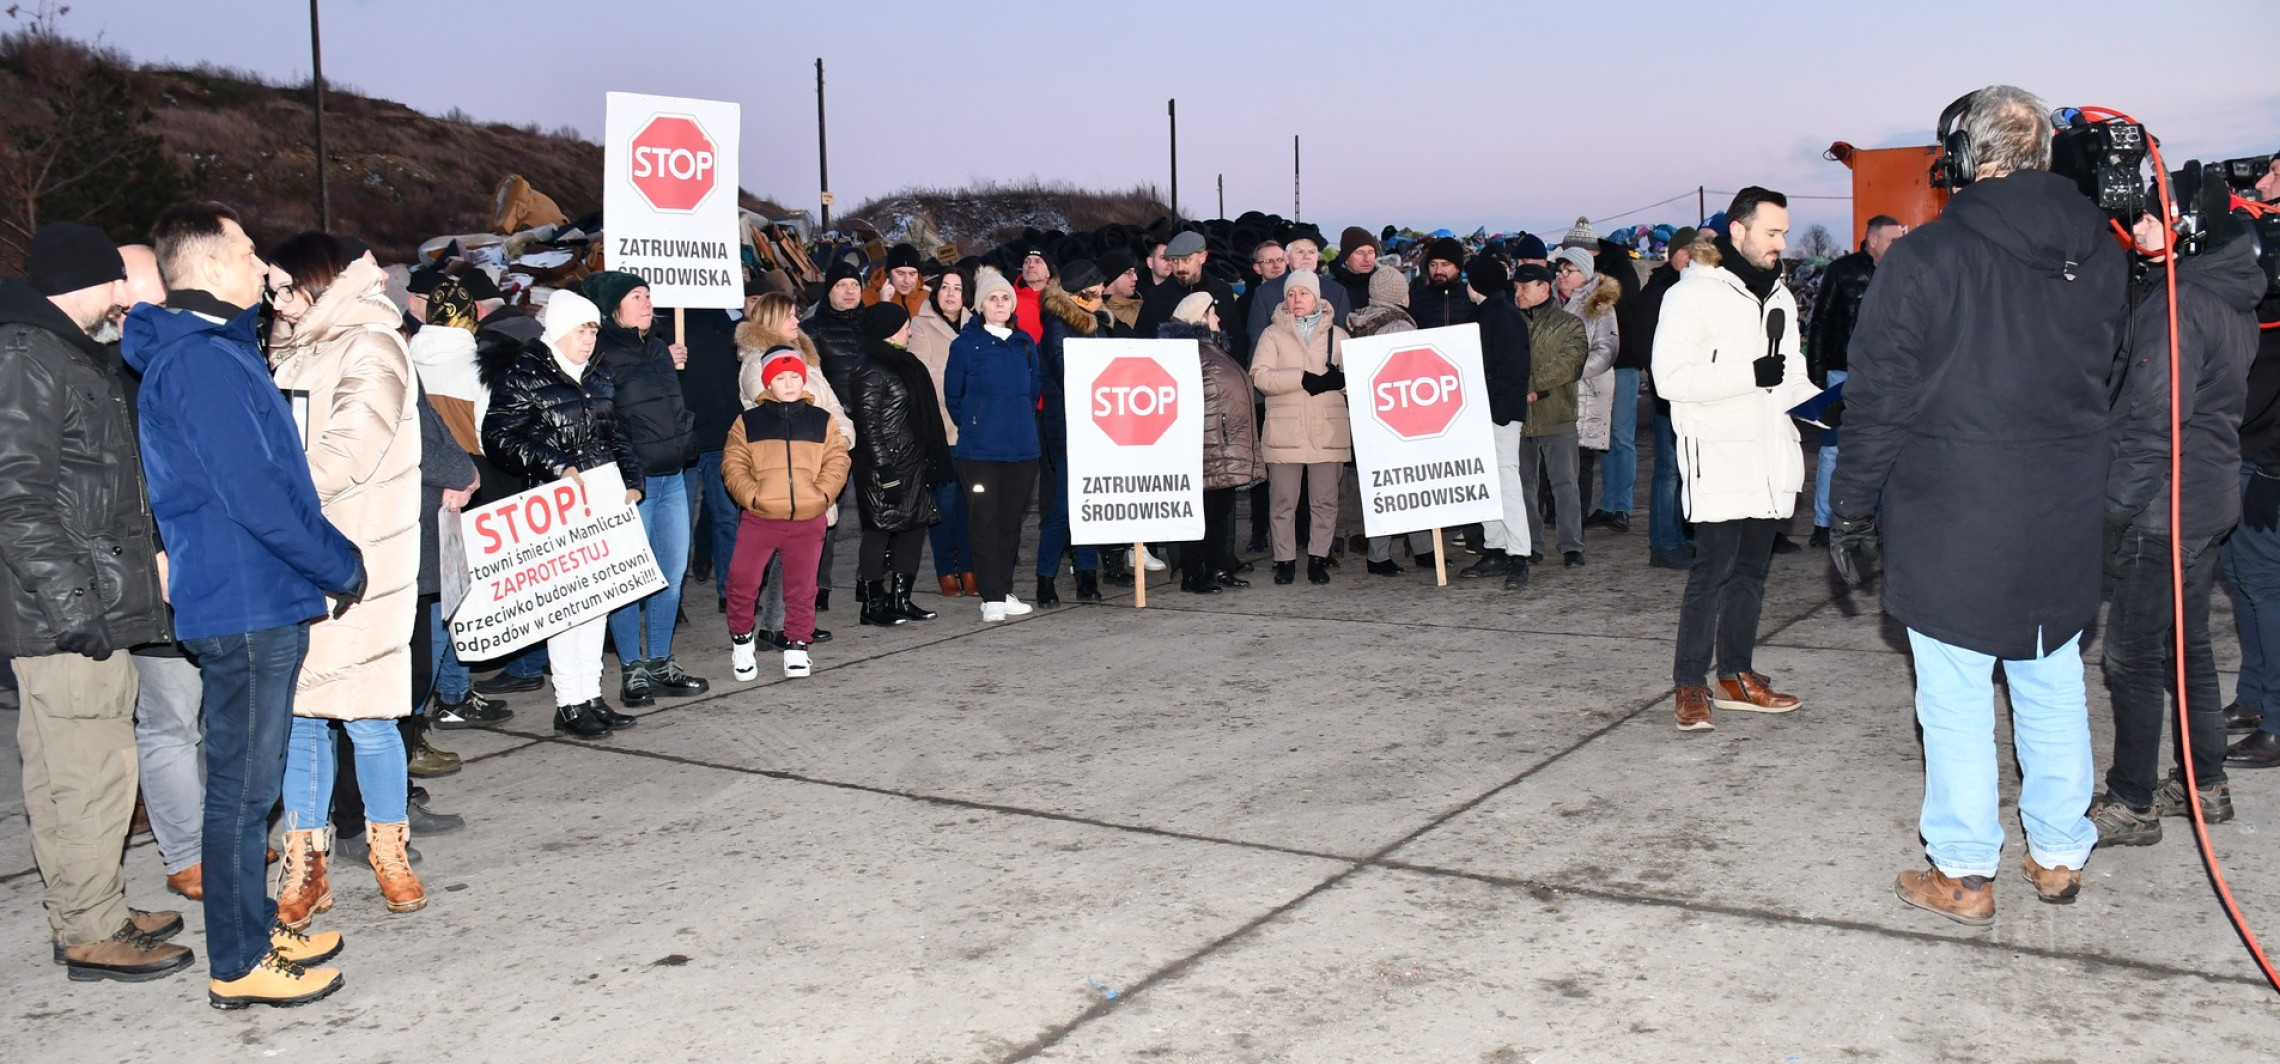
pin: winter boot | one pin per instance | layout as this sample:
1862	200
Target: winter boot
275	981
1047	594
399	887
904	585
877	609
951	588
1088	585
303	890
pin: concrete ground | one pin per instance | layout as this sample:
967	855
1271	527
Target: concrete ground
1374	821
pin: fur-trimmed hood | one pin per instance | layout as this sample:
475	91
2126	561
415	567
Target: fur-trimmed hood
1601	299
749	340
1064	306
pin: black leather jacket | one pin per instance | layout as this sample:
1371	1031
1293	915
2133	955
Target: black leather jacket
647	396
838	343
900	448
76	536
541	421
1841	290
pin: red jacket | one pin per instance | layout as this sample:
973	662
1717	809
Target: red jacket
1028	312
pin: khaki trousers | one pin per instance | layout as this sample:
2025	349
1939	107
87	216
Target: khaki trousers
1321	500
77	735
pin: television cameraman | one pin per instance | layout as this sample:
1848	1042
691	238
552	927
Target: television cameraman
1976	410
2252	555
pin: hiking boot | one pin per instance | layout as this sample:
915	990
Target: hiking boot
1694	709
276	982
158	927
400	887
1491	563
304	949
1969	900
582	721
904	587
507	683
1088	585
355	850
670	681
1752	692
303	888
635	688
190	882
424	761
473	711
2057	886
2216	800
128	956
744	657
2120	825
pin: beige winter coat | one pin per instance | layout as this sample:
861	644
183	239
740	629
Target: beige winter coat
930	338
364	455
1301	428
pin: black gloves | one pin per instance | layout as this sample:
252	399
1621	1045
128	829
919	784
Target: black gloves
1328	381
1769	370
81	631
354	593
1833	415
2260	502
1854	541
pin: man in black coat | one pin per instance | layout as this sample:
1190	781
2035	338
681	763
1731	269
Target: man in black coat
1505	360
2252	553
834	330
1440	298
1830	336
2217	293
1187	254
1977	412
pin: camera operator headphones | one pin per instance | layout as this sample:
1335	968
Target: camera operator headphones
1958	162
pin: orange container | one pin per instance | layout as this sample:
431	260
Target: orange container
1894	181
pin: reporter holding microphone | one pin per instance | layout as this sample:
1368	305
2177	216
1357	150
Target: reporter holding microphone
1726	357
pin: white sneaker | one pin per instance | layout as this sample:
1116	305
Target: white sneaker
1155	564
743	658
796	663
1015	607
993	612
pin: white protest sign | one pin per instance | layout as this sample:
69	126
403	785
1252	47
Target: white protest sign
549	559
669	198
1135	410
1424	446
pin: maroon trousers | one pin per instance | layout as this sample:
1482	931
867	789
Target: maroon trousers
757	541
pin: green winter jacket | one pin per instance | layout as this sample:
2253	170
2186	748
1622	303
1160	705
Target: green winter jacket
1557	339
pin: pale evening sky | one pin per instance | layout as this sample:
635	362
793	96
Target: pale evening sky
1423	114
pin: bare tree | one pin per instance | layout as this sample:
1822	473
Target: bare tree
1817	242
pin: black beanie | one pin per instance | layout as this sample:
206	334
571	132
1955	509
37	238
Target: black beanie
1080	274
1447	250
1113	264
883	319
1486	275
840	271
68	256
902	255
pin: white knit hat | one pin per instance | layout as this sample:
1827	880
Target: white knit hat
564	313
1302	279
1582	235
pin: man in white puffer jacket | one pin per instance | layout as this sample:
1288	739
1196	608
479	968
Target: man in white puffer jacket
1726	357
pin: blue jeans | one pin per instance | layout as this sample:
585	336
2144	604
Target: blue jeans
2252	579
247	685
528	662
718	518
1619	471
665	517
1053	522
953	554
310	771
2050	724
451	678
1666	531
1828	466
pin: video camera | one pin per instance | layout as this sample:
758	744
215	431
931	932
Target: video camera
2243	174
2105	158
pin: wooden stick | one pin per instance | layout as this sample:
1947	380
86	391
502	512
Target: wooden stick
1440	561
680	328
1139	576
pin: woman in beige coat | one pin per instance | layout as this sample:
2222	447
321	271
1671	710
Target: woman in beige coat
1298	366
932	330
336	354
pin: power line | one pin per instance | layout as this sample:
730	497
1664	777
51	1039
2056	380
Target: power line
1793	195
1637	210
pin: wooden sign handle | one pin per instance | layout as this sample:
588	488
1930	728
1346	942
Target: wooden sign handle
1440	561
1139	576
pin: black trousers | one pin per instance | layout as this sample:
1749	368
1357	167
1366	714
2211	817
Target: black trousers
997	498
880	549
1214	553
1725	593
2140	650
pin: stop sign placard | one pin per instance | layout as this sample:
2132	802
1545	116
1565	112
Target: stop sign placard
675	164
1417	393
1135	402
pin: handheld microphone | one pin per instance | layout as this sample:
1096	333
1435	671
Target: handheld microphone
1776	324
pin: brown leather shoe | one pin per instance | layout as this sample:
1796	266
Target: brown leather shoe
128	957
1694	709
2057	886
1969	900
1753	693
972	583
158	927
190	882
952	587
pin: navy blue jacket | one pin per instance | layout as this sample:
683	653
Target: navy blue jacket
992	388
247	544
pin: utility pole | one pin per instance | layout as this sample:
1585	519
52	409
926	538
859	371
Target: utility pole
1701	205
822	149
317	85
1172	110
1223	195
1294	214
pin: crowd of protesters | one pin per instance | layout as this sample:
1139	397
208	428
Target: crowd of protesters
223	472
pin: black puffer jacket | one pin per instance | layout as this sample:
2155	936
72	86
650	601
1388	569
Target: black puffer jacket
541	421
901	451
838	342
76	536
1506	358
646	391
1842	288
1439	305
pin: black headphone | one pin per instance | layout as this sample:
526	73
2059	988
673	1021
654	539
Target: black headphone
1958	162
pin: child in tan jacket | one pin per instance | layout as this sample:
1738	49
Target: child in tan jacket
784	463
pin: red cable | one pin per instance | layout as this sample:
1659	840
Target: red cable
2177	555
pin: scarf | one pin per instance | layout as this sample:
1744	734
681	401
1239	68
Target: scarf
1757	279
1307	325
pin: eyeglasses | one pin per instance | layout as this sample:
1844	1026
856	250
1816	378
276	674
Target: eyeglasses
1567	267
1276	261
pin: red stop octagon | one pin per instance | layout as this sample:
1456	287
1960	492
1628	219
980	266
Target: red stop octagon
675	164
1134	401
1417	393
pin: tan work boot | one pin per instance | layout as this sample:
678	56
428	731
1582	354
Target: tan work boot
158	927
1969	900
128	956
2057	886
303	890
398	884
302	949
275	982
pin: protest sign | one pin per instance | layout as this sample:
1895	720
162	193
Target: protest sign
1424	449
1135	416
547	560
669	198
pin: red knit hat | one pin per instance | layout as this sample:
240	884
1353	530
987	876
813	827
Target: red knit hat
781	360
